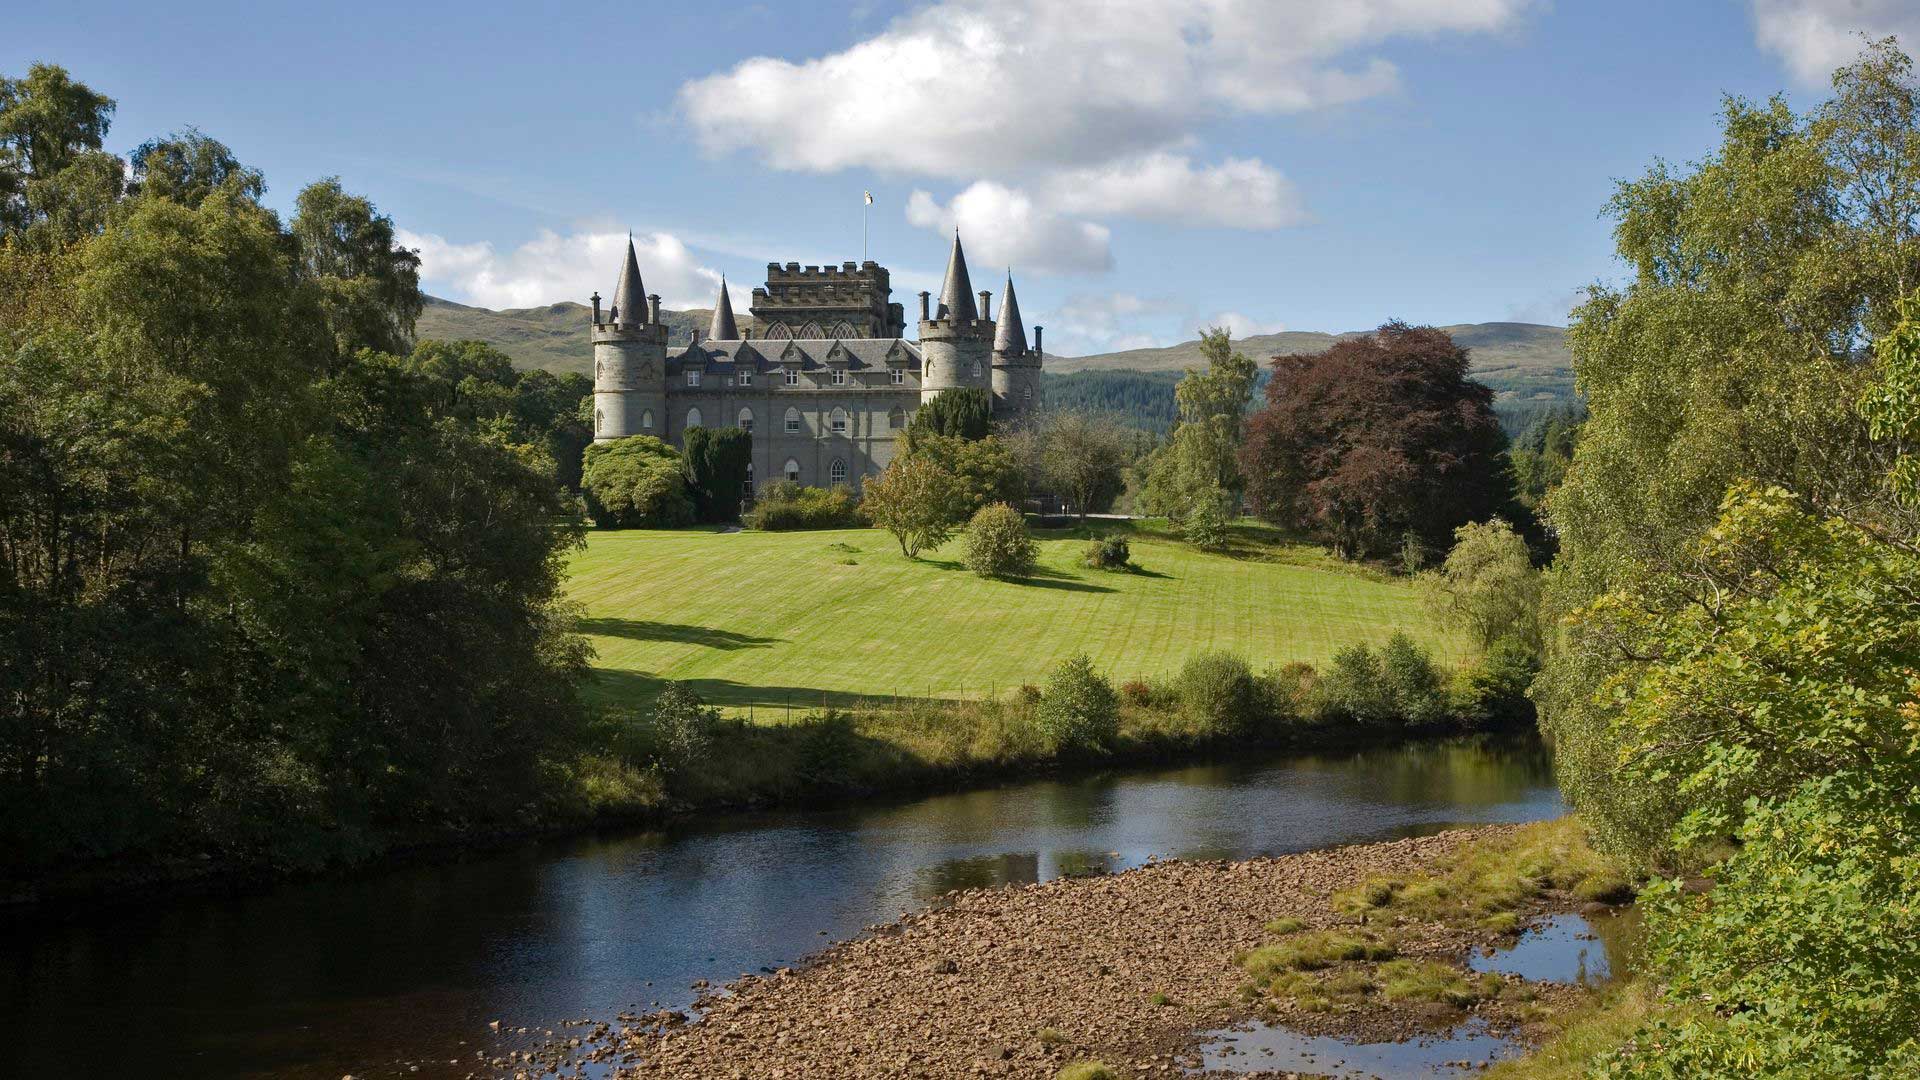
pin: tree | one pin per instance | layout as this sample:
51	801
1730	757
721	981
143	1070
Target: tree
717	461
1488	586
964	412
1078	708
1377	436
913	499
369	285
1760	278
985	471
56	184
998	544
187	166
1542	453
1198	466
637	482
1082	458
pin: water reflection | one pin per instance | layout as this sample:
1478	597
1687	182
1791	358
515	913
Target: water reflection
1267	1048
1586	950
408	966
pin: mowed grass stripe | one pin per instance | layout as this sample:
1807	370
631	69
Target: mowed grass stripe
765	619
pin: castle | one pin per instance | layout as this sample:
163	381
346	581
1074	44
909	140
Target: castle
826	384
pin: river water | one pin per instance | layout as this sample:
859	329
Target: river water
400	972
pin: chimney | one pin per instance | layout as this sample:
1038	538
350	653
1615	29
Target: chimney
1036	339
653	308
596	309
984	297
924	294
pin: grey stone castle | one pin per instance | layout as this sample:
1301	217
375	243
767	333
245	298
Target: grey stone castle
826	383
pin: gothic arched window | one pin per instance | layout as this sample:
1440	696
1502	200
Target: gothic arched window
646	420
693	418
599	421
837	423
778	332
811	331
793	470
837	473
843	330
746	420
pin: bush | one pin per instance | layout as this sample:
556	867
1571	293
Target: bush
998	545
828	745
1206	525
1109	553
1218	690
785	506
1287	692
1137	692
1353	688
1412	681
635	483
678	731
1078	709
1493	692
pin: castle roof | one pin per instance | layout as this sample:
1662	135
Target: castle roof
764	353
723	328
630	296
956	296
1010	338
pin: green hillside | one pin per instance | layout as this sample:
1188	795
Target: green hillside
766	618
552	338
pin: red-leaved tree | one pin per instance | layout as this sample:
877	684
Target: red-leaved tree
1378	436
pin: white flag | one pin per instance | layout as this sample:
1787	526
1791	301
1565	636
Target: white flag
869	196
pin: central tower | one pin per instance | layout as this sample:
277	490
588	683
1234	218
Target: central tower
956	341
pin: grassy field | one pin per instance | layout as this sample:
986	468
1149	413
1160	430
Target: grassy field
812	618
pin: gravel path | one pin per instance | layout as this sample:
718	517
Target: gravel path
1020	981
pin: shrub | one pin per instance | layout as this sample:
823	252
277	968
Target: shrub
1353	688
1108	553
1206	525
1218	689
1412	681
1287	692
635	483
1078	709
785	506
1028	694
998	544
828	745
1493	691
679	729
1137	692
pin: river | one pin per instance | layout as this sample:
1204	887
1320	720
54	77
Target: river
403	969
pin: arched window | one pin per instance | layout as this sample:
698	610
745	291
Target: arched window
793	470
693	418
973	369
837	473
746	420
793	421
598	367
842	330
646	420
810	332
896	419
746	489
778	332
838	422
599	421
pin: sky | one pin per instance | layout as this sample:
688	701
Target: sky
1144	168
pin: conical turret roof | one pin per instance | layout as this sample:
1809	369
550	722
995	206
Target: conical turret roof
957	294
1010	337
630	296
723	328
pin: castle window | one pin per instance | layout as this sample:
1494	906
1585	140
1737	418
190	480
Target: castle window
746	489
598	368
778	332
693	418
599	421
896	419
746	378
839	377
1027	393
973	369
793	377
646	420
899	376
746	421
843	330
837	473
839	421
793	421
793	471
810	331
693	377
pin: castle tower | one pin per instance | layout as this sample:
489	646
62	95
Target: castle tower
723	328
629	361
1016	369
956	341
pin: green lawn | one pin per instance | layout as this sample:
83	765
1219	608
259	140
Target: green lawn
808	618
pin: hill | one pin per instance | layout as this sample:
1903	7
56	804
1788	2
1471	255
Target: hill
551	338
761	619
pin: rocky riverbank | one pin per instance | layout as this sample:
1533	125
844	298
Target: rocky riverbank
1125	969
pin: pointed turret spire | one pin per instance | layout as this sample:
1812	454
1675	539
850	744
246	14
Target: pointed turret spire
956	296
629	297
723	328
1010	338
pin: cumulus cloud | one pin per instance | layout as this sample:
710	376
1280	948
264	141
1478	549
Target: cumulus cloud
1238	193
965	88
1239	326
552	267
1108	322
1003	226
1814	37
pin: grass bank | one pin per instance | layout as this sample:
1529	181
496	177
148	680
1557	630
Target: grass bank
772	621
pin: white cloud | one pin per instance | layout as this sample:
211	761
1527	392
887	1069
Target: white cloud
1003	226
1108	322
1815	37
1239	326
1239	192
966	88
551	267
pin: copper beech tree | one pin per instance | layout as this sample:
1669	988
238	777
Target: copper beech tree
1378	437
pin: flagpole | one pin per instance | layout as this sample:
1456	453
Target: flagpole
866	200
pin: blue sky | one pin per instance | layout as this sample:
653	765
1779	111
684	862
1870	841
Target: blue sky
1145	167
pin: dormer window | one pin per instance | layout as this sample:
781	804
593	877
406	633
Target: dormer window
793	377
746	378
839	377
899	376
693	377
